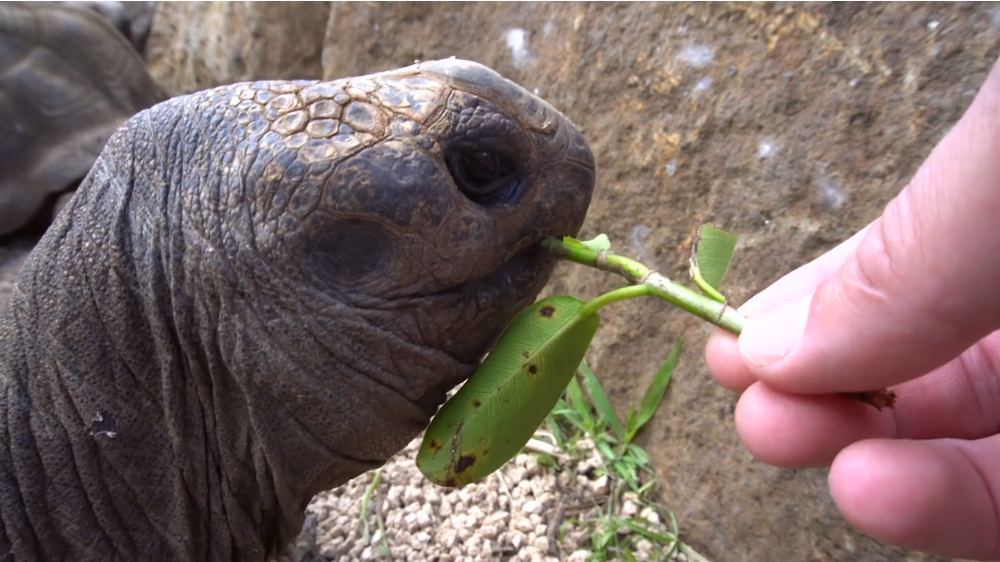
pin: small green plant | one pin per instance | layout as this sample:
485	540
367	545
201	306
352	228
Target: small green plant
612	438
366	535
585	415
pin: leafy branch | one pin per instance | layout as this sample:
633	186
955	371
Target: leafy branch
705	307
499	408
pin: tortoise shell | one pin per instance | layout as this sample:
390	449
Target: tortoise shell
68	79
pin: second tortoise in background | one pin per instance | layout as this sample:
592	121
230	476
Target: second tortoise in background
68	79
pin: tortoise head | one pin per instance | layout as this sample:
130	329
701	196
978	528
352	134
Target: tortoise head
392	234
413	201
343	252
431	225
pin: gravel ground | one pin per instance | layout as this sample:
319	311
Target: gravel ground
515	514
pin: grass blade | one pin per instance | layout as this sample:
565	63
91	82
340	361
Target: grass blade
576	399
601	401
651	535
606	449
654	394
366	535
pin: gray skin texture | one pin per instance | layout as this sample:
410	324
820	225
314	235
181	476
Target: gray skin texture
261	291
68	79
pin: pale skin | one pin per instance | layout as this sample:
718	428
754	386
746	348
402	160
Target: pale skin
911	302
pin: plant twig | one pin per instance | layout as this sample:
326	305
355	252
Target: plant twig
704	307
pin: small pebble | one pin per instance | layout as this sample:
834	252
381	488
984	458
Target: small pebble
650	515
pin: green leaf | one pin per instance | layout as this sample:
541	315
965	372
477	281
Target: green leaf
603	447
648	485
627	473
553	426
638	453
598	244
654	394
570	241
629	424
710	256
578	423
496	412
600	399
366	537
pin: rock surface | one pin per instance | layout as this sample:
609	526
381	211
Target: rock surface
198	45
790	124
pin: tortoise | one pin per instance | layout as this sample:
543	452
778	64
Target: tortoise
262	290
68	79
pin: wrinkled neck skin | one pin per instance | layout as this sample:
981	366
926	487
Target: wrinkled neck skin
167	395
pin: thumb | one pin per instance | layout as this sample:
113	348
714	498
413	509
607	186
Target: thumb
922	285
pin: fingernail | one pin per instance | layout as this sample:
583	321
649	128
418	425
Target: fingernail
772	336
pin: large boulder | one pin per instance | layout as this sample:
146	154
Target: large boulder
791	125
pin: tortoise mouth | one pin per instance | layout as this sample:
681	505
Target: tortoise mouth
520	278
485	306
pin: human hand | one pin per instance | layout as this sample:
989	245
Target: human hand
912	302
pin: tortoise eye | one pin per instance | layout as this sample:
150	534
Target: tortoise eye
483	175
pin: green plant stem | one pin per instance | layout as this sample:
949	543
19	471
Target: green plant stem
718	313
704	307
621	294
364	504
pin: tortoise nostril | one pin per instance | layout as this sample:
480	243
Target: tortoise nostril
351	251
